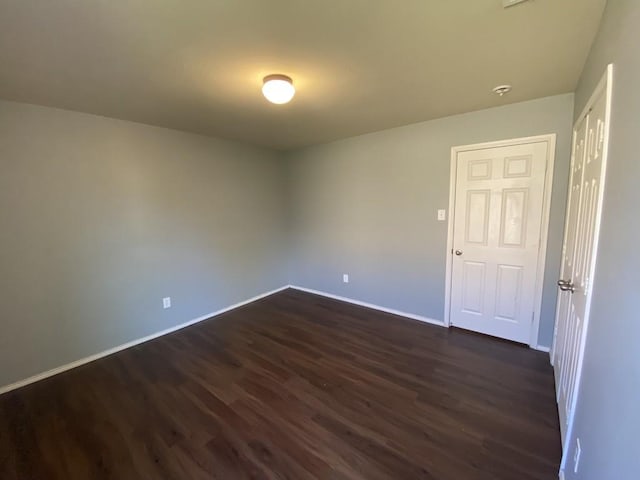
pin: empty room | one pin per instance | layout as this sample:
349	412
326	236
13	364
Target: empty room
302	239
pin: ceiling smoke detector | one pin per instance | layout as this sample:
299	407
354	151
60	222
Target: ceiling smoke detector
502	90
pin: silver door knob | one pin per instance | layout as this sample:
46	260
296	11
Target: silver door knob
566	286
458	252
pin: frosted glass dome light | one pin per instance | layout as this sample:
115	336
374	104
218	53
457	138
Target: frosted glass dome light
278	89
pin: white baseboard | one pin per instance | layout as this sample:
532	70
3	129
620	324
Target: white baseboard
91	358
412	316
540	348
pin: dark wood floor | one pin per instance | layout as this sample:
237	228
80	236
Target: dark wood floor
294	386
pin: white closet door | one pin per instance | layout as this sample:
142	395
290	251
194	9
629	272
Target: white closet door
588	167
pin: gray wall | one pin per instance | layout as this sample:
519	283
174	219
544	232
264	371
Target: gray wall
100	219
608	413
367	206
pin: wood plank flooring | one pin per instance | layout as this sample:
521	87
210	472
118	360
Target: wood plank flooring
294	386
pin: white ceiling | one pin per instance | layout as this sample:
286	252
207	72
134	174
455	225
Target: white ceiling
358	65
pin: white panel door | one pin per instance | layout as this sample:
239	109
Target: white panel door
588	165
569	329
496	238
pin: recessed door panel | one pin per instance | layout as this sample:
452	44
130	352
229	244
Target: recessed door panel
519	166
508	291
479	170
473	288
478	203
513	224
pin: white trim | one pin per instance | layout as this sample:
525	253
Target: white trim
540	348
605	85
561	475
412	316
453	175
91	358
544	239
544	231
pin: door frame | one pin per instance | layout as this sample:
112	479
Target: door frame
550	139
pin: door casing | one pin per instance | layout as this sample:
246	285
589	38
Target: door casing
550	139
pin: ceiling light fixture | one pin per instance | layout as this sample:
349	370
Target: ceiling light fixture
278	89
502	90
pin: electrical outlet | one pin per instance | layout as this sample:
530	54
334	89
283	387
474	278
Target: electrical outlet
442	215
345	278
576	456
166	302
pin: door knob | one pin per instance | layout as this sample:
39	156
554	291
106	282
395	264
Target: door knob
458	252
566	286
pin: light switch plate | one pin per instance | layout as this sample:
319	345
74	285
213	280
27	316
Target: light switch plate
442	215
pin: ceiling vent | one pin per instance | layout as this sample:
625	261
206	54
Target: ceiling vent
511	3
